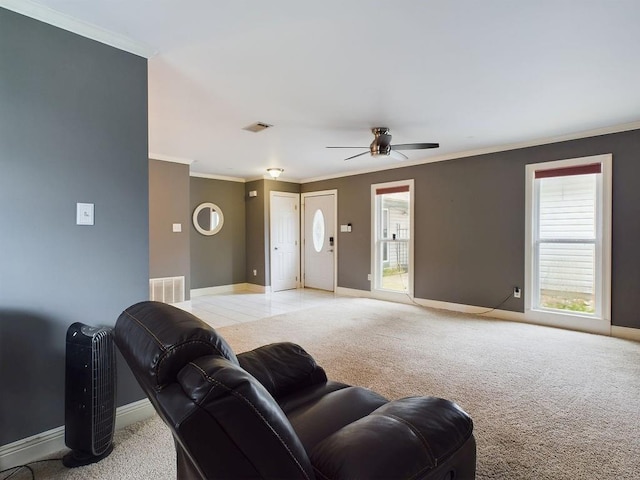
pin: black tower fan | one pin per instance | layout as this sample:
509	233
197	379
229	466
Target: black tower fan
90	394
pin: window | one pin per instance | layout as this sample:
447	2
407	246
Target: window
568	242
392	213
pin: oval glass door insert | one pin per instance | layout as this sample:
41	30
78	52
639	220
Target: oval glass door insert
318	230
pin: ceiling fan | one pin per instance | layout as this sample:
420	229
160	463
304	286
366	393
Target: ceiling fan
381	146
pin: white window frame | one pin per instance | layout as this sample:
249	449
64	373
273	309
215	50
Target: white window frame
380	293
385	226
600	322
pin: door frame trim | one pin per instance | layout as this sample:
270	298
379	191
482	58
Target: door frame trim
336	243
298	259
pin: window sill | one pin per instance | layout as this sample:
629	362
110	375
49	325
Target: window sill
571	321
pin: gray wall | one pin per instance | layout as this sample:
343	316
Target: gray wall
219	259
258	233
255	240
169	254
469	232
73	128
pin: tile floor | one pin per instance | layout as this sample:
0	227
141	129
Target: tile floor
225	309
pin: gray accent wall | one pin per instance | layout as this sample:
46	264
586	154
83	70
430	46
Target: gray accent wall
258	227
73	128
218	259
255	231
169	251
470	220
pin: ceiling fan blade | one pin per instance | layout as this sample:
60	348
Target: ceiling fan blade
396	155
359	155
414	146
348	147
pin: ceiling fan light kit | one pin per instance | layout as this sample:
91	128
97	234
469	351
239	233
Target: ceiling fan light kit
275	172
381	146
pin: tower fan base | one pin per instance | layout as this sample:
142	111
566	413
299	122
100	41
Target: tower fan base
76	458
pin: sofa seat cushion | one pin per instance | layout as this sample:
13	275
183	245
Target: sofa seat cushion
315	420
407	439
307	395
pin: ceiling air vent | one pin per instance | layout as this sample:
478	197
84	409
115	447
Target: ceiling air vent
257	127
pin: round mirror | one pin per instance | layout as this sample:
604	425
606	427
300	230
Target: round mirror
208	218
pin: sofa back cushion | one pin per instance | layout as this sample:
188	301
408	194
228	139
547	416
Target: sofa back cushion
247	434
160	340
283	368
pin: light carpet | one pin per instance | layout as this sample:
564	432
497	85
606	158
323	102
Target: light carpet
546	403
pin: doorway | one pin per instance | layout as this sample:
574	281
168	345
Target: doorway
285	236
320	241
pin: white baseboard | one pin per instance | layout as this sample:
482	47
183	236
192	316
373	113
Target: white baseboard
252	287
626	333
456	307
460	307
36	447
578	324
233	288
32	448
134	412
352	292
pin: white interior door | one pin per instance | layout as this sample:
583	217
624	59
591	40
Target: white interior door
320	241
285	235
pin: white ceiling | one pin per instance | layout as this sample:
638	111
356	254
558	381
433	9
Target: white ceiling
471	75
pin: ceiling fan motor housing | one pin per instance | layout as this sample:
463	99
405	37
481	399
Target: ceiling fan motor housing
381	144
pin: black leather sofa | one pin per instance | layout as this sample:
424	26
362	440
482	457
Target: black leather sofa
272	413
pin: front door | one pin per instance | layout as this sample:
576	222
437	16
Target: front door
320	240
285	233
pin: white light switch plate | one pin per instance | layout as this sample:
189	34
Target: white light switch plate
177	227
84	214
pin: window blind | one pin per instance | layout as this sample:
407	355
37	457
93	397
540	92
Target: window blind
568	171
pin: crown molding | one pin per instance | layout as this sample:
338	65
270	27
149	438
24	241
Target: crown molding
483	151
168	158
217	177
268	177
74	25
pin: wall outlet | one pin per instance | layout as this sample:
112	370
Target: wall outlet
369	276
516	292
255	272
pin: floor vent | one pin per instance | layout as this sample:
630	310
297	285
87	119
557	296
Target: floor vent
167	290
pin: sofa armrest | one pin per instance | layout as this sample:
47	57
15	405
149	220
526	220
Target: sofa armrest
282	368
417	438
